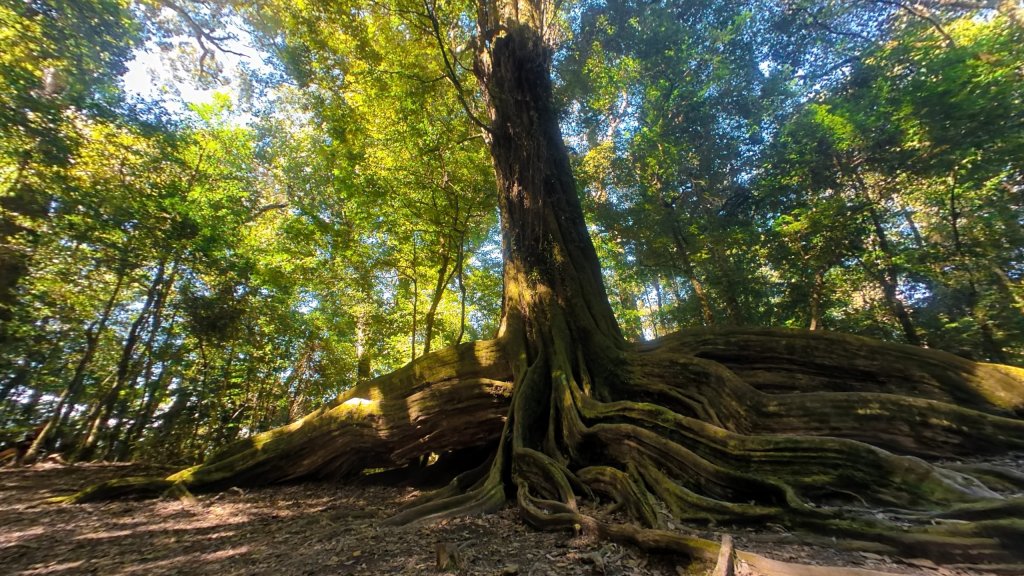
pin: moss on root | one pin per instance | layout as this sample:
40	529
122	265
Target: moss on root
131	487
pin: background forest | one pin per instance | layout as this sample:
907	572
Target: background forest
175	275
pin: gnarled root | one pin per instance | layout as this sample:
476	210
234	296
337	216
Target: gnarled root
819	433
448	401
678	436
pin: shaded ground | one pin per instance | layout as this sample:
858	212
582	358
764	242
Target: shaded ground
314	529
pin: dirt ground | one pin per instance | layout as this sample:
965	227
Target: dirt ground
313	529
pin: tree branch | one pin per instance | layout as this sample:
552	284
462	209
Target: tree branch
267	208
450	71
202	35
921	11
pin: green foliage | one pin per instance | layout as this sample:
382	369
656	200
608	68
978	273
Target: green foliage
921	144
822	164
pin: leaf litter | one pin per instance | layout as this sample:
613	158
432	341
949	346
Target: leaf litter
320	529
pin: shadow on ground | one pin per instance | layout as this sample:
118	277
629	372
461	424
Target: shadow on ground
303	529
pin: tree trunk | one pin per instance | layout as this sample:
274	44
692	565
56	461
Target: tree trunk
691	275
461	277
817	289
22	206
888	277
71	392
632	325
443	277
415	300
154	392
127	365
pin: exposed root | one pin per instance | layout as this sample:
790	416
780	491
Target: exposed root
671	435
724	566
133	487
450	400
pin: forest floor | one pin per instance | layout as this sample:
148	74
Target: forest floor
317	529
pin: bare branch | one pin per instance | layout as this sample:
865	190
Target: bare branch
964	4
921	11
450	71
202	35
818	22
1010	8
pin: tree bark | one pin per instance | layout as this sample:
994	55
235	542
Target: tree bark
415	305
460	274
888	277
154	392
817	288
126	365
444	276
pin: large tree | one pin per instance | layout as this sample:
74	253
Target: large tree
818	432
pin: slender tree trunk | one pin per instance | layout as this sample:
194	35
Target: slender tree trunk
728	285
149	406
660	296
817	287
653	316
908	216
74	388
989	346
632	326
151	387
444	276
415	300
460	274
682	250
223	410
22	202
1010	290
888	278
164	433
415	314
126	367
364	357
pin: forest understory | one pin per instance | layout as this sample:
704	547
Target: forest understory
328	528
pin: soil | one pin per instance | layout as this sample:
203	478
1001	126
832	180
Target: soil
319	529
